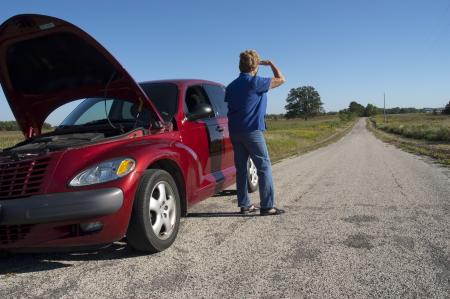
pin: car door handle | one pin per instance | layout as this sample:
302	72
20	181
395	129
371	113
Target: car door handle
219	129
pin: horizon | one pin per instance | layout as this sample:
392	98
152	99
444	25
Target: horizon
348	51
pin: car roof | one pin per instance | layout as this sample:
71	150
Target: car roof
183	82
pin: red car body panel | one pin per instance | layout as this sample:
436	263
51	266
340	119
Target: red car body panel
184	147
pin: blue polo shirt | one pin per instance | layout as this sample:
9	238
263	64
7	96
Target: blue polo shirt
247	103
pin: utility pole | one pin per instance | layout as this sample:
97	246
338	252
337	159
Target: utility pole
384	106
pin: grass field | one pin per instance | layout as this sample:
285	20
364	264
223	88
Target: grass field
417	125
9	138
419	133
290	137
284	137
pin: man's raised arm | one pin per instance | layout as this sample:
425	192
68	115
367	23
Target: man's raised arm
278	78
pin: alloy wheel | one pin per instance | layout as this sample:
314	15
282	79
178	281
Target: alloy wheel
162	210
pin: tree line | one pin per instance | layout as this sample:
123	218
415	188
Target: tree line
305	102
12	126
446	109
370	110
301	102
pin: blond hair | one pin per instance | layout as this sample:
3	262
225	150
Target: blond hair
249	61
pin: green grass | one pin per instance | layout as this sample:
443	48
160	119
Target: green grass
417	125
10	138
290	137
422	134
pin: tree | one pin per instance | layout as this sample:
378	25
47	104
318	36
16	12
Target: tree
46	126
446	109
356	108
303	102
8	126
370	110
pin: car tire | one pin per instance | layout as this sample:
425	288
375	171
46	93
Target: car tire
252	176
156	213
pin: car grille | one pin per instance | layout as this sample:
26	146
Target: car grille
12	233
22	178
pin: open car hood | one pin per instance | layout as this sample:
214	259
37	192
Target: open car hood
46	62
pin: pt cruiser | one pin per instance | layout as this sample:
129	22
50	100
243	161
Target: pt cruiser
129	160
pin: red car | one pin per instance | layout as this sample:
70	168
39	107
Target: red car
128	161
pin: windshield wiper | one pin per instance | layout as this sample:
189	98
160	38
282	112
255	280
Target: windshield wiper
95	122
98	122
63	127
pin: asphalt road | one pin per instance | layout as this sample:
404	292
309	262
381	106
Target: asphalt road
364	219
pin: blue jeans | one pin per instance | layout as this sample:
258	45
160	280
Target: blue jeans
253	145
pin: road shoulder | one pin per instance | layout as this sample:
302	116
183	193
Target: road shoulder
439	152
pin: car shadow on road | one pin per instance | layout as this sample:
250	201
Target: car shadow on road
17	263
226	193
219	214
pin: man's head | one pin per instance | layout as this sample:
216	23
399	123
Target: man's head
249	61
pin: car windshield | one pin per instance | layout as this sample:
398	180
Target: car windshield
95	111
164	96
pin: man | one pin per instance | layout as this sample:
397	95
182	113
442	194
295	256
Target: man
247	103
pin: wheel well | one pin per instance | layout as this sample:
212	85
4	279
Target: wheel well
172	168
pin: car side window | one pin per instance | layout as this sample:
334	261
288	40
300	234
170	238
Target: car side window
195	95
217	95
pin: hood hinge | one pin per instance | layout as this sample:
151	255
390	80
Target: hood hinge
32	132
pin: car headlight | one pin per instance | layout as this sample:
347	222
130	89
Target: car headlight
104	172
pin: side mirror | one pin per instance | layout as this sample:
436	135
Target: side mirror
200	111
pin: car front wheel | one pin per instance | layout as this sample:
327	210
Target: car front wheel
156	212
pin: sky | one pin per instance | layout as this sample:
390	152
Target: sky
348	50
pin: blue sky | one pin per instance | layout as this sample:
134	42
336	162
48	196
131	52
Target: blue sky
348	50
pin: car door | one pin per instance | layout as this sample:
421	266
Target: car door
216	94
205	137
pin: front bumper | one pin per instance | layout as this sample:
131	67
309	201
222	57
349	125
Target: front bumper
61	206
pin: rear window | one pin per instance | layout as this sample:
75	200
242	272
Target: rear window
164	96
